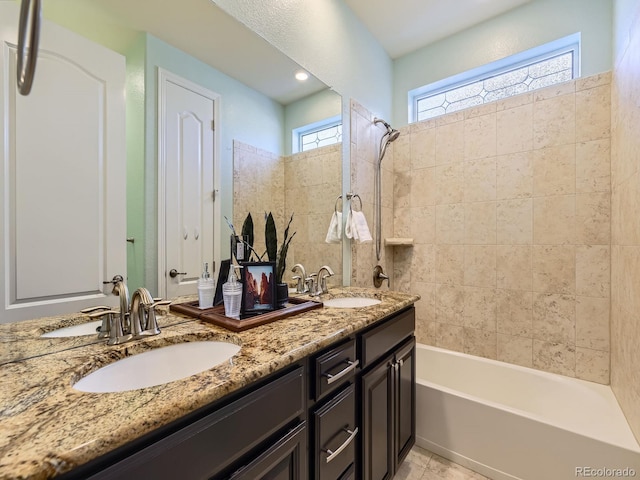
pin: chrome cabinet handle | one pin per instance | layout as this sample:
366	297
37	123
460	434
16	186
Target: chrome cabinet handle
334	378
26	70
332	454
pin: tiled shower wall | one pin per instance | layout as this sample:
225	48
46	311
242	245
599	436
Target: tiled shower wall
509	208
625	261
365	149
305	184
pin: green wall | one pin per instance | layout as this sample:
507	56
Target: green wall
525	27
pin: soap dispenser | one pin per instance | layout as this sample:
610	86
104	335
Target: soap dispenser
206	289
232	295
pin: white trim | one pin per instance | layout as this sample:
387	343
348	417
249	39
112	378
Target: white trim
533	55
163	77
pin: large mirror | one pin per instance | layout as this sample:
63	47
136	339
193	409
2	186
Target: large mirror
261	106
261	117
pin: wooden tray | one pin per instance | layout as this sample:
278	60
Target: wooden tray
216	315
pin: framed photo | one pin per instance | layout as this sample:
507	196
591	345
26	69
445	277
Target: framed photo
258	287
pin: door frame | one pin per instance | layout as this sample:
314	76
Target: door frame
164	77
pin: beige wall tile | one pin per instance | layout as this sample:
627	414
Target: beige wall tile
554	268
517	350
479	110
480	180
480	223
402	153
515	312
450	183
423	148
450	304
426	306
592	365
450	143
480	307
592	323
402	189
554	318
554	220
403	223
480	342
593	218
515	101
450	337
554	121
422	226
450	224
593	113
514	268
480	137
554	358
514	175
423	263
596	80
450	264
515	222
593	270
423	192
449	118
554	170
561	89
480	265
514	128
593	166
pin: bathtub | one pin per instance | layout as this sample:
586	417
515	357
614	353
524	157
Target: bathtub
510	422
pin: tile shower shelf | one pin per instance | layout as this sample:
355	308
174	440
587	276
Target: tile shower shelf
398	242
216	314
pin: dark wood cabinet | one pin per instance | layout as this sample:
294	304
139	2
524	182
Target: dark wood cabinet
387	392
343	413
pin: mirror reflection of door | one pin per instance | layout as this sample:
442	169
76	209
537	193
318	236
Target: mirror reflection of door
186	184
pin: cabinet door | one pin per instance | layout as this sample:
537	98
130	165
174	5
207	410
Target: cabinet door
377	422
285	460
62	174
405	403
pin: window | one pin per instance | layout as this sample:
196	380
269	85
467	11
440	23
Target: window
540	67
319	134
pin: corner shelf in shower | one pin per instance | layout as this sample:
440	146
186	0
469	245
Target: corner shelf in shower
398	242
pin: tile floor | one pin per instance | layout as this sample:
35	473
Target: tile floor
422	464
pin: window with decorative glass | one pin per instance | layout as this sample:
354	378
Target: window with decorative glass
319	134
549	64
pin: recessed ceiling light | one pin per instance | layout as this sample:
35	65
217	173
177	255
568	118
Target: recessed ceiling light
302	75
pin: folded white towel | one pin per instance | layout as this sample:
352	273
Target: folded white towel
334	234
361	227
350	227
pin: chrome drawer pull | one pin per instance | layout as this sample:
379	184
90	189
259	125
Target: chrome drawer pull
352	435
334	378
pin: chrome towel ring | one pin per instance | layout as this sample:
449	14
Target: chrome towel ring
30	16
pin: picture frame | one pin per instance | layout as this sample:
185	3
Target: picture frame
258	287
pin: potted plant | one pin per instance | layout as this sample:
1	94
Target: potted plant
273	253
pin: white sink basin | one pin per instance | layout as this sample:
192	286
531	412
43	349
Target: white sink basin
157	367
88	328
350	302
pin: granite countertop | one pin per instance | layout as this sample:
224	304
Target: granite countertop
49	428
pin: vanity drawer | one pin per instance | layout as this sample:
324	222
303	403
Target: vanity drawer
378	341
334	435
334	367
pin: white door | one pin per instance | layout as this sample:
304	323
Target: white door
186	190
62	175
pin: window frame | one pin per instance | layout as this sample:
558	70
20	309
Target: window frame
324	124
570	43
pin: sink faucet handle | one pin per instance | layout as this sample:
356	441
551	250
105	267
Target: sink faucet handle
300	286
310	283
106	316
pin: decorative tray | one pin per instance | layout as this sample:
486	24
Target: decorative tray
216	314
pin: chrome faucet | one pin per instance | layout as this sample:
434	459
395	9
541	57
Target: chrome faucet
133	321
301	287
317	282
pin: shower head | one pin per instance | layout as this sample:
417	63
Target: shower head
393	135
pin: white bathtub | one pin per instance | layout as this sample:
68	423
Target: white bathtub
512	422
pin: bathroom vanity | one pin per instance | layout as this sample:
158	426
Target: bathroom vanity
328	394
